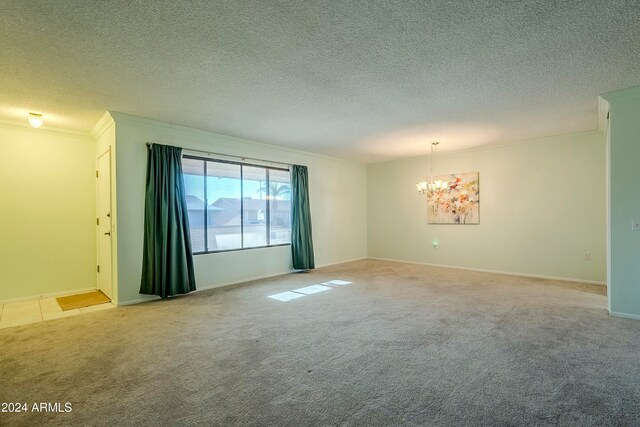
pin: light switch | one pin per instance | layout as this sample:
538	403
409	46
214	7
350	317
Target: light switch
635	225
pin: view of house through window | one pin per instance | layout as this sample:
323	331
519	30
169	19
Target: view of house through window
235	206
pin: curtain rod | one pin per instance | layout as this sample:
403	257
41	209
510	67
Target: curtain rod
229	155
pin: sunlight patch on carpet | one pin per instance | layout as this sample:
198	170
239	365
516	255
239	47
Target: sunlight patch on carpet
286	296
313	289
336	282
308	290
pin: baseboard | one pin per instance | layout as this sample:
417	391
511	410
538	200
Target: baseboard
205	288
508	273
50	295
137	301
341	262
235	282
625	315
268	276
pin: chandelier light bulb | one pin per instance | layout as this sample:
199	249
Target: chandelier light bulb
35	120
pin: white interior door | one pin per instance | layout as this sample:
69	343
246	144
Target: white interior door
104	223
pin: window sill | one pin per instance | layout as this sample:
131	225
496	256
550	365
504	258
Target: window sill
240	249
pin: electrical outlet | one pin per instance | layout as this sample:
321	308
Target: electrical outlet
587	256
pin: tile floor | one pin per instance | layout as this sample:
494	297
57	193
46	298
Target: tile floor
22	313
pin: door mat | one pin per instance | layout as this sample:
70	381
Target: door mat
82	300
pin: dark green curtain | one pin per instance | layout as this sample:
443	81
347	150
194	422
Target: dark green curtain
167	263
301	239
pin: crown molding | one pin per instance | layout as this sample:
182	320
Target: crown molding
629	93
105	122
127	118
43	130
603	114
537	141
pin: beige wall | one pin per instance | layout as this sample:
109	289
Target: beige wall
47	212
338	205
542	208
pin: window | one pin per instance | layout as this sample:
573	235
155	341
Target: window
235	205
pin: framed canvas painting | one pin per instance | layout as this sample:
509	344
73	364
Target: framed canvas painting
458	202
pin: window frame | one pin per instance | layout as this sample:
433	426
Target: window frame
268	205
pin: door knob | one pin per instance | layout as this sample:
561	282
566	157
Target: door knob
108	233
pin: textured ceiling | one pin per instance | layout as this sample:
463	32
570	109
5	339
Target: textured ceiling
362	80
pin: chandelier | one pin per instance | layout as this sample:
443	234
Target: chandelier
429	186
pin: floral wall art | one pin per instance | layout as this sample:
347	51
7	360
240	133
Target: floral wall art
458	203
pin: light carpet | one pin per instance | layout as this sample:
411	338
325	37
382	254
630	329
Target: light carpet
402	345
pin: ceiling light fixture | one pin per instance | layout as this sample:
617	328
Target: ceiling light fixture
35	120
429	186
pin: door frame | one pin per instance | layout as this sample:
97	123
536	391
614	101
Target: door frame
107	152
